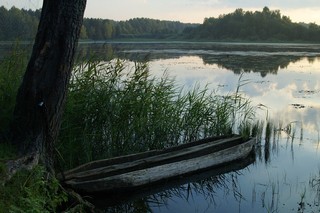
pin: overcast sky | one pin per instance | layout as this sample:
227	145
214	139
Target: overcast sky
186	10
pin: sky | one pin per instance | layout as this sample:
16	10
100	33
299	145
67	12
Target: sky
187	11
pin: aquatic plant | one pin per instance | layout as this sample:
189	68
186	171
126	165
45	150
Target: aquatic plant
115	108
12	68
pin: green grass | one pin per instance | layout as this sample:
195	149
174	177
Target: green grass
12	69
31	191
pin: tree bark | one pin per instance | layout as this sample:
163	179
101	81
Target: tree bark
42	94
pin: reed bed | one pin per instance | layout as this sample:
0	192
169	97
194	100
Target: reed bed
12	68
115	108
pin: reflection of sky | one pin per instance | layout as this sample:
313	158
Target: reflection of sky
284	180
291	96
275	187
297	85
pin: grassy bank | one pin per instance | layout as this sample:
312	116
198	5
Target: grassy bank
12	68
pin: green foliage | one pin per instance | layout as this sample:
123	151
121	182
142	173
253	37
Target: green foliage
257	129
12	68
31	191
26	191
6	151
101	29
266	25
16	24
22	25
114	109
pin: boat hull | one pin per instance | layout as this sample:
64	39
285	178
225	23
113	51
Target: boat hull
162	166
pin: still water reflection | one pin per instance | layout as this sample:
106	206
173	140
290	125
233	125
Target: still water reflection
283	83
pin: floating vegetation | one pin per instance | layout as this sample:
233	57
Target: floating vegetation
298	106
308	92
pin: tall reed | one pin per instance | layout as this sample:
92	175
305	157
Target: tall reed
12	68
114	109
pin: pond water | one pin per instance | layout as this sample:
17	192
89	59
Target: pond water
283	83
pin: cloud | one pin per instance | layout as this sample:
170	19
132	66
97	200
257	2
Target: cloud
26	4
185	10
269	3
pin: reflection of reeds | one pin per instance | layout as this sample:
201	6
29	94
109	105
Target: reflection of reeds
208	185
267	145
270	204
314	184
302	204
290	134
205	188
269	131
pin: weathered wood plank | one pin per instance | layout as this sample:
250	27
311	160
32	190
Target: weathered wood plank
138	156
118	197
162	172
159	159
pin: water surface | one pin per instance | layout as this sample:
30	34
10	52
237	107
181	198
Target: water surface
283	83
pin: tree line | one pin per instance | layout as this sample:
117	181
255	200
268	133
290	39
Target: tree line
100	29
265	25
22	24
18	24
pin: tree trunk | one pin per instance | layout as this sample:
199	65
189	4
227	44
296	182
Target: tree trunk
42	94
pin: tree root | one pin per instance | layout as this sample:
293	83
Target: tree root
27	162
77	202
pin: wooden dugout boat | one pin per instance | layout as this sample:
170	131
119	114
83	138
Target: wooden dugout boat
212	177
131	172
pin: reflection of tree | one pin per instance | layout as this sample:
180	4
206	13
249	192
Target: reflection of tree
129	51
222	55
260	64
99	51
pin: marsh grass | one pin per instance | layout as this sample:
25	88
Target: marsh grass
12	68
115	108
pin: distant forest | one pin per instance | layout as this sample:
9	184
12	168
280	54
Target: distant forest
22	24
265	25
